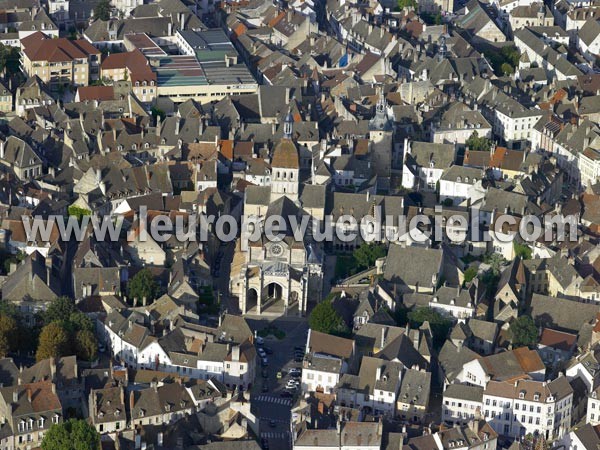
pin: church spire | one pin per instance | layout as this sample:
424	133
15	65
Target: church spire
381	120
288	125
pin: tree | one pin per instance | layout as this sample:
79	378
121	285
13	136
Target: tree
143	285
522	250
86	345
440	326
478	143
366	254
325	318
470	273
8	333
59	310
406	4
54	342
507	69
78	212
10	59
102	10
74	434
523	332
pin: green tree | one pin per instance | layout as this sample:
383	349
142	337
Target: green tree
522	250
511	55
8	334
75	434
78	212
478	143
157	112
406	4
523	332
470	273
10	59
507	69
325	318
102	10
367	253
440	326
54	342
86	345
143	285
59	310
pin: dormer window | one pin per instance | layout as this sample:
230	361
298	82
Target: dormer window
466	179
141	413
55	418
522	394
458	179
536	397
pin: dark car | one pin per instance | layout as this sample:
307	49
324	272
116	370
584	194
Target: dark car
286	394
298	359
265	387
264	444
268	350
272	423
265	373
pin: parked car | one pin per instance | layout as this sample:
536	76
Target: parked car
265	362
286	394
265	443
261	352
268	350
292	383
279	375
265	387
265	373
272	423
259	340
295	373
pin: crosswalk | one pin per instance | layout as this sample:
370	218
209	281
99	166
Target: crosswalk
273	435
276	400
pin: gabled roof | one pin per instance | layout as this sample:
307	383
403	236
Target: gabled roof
39	47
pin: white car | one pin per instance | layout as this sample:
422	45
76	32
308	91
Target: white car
259	340
261	353
292	383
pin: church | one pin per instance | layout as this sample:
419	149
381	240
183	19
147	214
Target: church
280	276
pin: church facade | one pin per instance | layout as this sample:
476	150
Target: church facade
286	273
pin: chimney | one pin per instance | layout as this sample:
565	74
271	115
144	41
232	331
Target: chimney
177	126
15	396
235	353
1	149
378	374
29	395
52	369
131	402
382	337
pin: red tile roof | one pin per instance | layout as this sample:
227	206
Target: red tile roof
39	47
134	61
99	93
558	339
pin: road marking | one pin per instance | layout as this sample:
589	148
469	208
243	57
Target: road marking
273	435
276	400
